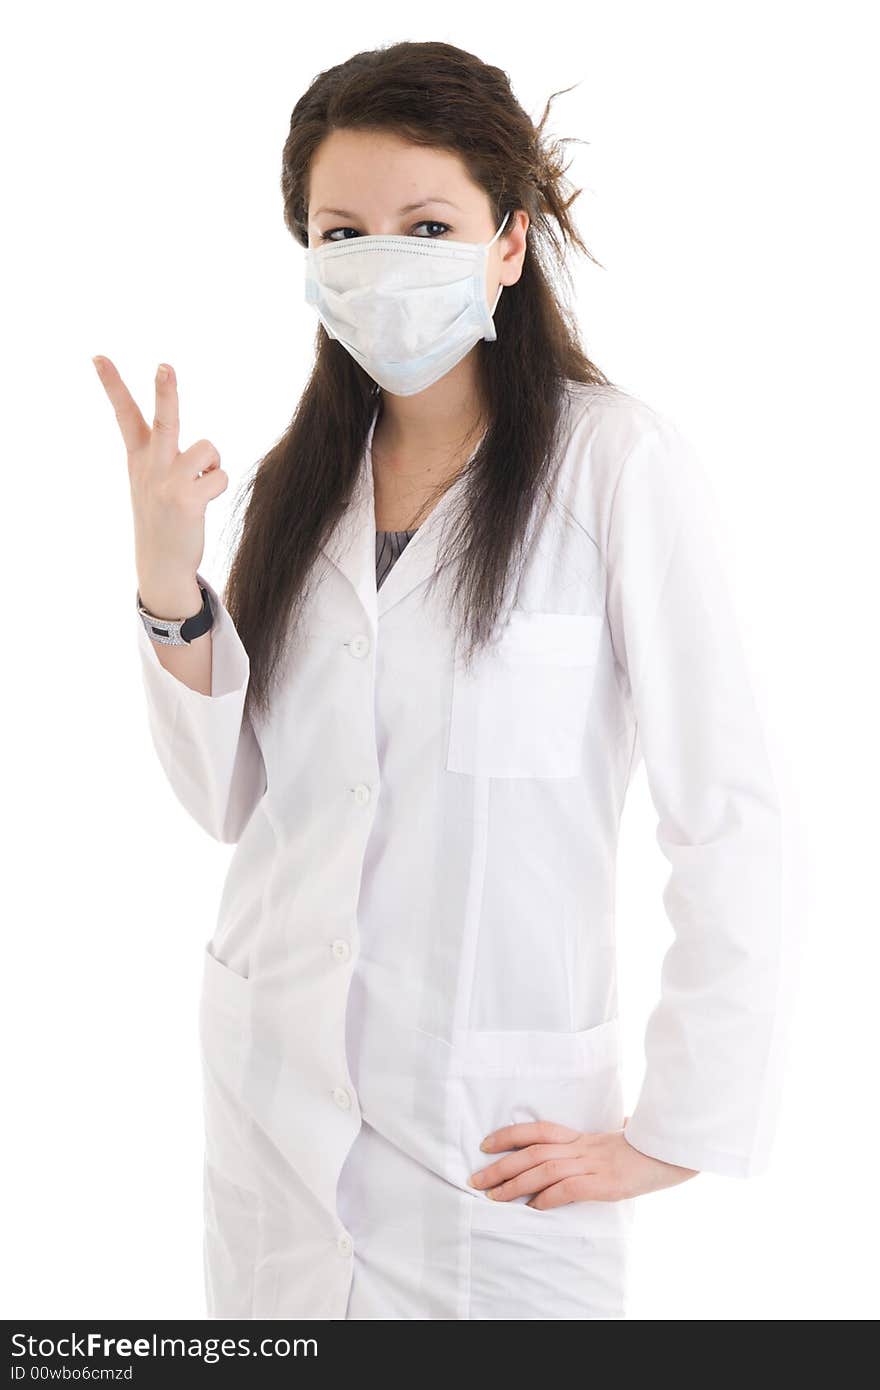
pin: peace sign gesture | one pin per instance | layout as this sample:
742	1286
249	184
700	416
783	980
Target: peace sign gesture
170	491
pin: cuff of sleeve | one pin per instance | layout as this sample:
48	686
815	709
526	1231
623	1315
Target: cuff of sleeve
230	667
687	1154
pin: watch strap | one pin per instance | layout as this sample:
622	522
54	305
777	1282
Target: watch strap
178	631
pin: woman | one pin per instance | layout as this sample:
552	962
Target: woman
475	585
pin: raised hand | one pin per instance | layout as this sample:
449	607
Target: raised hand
170	492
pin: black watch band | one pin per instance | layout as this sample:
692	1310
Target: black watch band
175	631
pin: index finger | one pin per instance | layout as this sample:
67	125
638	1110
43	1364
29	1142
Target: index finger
528	1132
134	428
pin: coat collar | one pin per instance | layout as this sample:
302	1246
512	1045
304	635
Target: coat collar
351	545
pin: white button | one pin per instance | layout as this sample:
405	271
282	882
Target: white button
341	949
362	793
342	1098
344	1244
359	646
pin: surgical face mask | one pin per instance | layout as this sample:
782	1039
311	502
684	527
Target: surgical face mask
407	308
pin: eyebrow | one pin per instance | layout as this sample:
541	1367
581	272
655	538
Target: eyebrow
408	207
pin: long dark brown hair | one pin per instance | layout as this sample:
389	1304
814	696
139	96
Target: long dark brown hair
440	96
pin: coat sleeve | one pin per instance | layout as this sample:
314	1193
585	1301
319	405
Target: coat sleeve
206	743
712	1042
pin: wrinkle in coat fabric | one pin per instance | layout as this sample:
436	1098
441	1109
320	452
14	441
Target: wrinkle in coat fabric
415	942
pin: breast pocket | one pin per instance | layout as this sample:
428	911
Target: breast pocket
521	710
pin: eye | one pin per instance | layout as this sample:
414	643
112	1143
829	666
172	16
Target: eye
331	235
443	225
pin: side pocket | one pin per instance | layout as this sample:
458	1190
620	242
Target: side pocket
518	1077
224	1022
231	1203
222	988
538	1052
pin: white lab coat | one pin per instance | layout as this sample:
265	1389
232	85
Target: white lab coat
416	939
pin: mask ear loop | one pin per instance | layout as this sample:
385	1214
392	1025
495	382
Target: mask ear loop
500	229
500	287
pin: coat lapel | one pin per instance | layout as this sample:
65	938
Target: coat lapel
351	545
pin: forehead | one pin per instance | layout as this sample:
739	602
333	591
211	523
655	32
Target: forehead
359	169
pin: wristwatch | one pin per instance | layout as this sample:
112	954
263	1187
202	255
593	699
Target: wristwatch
178	632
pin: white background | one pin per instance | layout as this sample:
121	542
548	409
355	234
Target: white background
729	185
